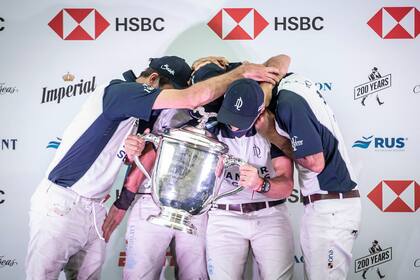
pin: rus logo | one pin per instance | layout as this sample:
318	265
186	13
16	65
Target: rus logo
54	144
381	143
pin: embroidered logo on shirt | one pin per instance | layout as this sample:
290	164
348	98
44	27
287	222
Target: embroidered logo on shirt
257	151
238	103
148	88
296	143
166	67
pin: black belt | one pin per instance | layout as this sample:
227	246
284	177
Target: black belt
249	207
330	195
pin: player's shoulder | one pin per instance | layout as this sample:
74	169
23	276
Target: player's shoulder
289	100
116	81
288	96
121	87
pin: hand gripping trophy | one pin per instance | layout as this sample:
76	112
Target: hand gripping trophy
184	178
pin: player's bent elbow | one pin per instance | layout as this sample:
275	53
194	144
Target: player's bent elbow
314	163
284	66
317	166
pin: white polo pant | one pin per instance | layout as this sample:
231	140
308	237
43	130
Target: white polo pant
147	244
328	230
267	232
63	236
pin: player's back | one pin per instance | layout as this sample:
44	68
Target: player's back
296	90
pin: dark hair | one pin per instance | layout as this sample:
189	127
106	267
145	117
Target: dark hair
162	79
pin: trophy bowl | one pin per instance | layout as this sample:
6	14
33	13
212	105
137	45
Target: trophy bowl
184	178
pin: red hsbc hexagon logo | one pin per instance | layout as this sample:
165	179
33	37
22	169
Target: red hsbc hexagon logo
238	23
396	196
78	24
396	22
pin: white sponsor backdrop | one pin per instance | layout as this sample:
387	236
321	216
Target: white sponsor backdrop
340	57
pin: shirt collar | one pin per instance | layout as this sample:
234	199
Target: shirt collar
227	133
129	76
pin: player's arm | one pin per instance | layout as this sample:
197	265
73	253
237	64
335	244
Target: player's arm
280	62
315	162
300	124
135	177
220	61
132	182
281	186
206	91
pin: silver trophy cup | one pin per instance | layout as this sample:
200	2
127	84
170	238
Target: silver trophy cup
184	180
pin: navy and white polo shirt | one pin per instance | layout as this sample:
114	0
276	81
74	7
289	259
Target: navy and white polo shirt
91	152
303	116
254	149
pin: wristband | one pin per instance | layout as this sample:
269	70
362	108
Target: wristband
256	189
265	186
125	199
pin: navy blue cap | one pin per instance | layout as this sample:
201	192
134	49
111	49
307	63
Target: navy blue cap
206	72
243	103
174	68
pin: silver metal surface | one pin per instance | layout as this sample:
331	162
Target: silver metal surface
184	178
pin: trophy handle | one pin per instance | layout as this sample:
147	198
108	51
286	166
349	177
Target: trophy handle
155	140
204	117
230	161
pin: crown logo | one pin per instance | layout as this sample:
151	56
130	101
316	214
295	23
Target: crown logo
68	77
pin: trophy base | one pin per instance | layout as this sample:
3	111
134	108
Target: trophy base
175	219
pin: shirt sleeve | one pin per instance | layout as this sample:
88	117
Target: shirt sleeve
129	99
295	116
276	152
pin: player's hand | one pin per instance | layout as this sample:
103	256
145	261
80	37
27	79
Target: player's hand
112	220
134	146
249	177
265	124
220	61
260	73
280	62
